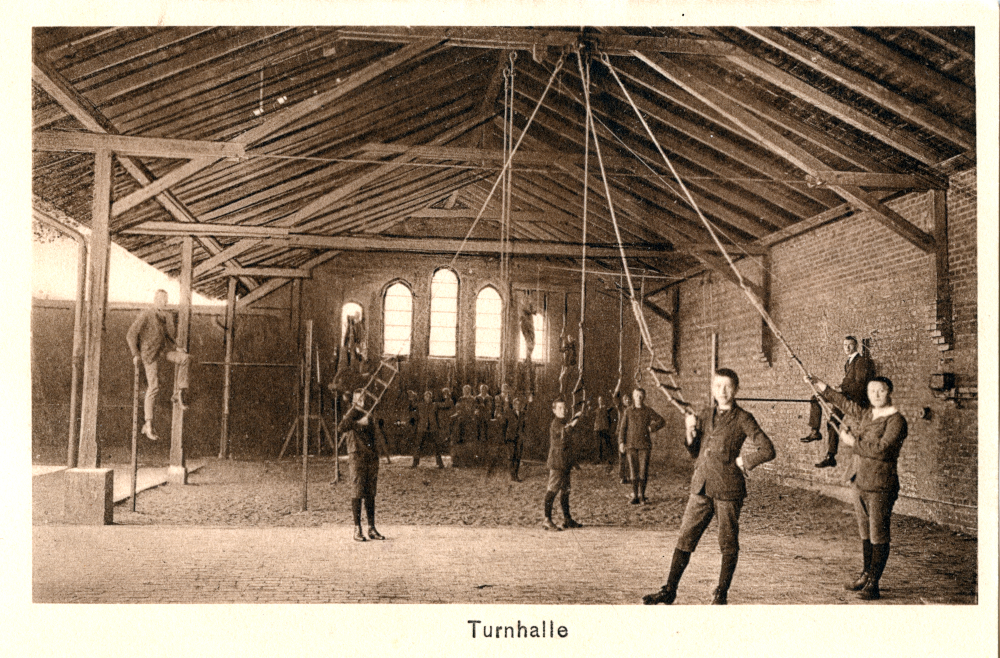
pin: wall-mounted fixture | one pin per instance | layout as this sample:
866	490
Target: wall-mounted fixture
942	381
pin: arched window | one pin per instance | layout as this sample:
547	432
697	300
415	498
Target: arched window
444	314
541	353
397	320
489	318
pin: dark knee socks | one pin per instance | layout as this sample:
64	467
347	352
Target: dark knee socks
564	503
356	511
677	566
880	555
370	510
866	552
550	497
727	570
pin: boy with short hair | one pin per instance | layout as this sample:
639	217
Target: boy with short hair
715	438
560	464
362	452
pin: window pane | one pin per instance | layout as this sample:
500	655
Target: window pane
444	314
489	318
398	320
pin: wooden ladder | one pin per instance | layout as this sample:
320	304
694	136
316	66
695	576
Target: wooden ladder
379	383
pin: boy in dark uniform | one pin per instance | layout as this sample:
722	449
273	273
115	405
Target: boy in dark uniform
636	425
560	464
715	438
359	433
427	428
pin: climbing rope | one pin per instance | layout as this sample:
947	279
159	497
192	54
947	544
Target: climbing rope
754	300
510	158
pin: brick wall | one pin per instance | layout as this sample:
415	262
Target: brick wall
851	277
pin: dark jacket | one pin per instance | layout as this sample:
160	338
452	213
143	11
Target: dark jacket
718	440
360	438
426	416
560	445
637	425
879	440
857	374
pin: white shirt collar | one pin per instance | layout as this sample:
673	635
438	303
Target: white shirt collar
852	356
883	411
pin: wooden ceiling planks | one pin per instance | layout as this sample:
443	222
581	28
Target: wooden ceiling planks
838	99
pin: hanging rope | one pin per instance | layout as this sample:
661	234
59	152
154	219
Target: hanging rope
754	301
672	392
621	331
585	79
510	158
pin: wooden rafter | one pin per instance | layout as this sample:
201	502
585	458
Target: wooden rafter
84	111
907	109
787	149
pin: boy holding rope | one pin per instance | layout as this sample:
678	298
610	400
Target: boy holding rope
715	438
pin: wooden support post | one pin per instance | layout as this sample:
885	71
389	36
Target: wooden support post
295	327
766	355
177	472
714	364
305	417
79	337
227	370
674	305
100	246
943	331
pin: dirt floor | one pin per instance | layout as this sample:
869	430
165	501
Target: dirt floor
269	494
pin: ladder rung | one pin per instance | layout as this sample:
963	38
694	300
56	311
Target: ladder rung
382	382
367	392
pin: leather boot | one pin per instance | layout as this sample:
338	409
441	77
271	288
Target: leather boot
568	521
862	580
880	555
726	571
668	592
550	497
356	513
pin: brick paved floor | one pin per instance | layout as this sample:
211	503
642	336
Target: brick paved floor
446	564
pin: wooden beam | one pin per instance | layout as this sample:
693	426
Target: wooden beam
786	148
532	39
910	111
152	147
91	118
161	184
89	455
284	272
273	284
299	217
225	255
522	157
364	242
838	109
177	471
944	329
948	89
887	217
227	371
188	228
876	180
469	213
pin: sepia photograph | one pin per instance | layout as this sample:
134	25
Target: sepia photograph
537	321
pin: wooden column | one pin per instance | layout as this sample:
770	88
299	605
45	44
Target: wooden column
765	300
79	341
305	417
943	332
227	370
100	245
295	327
177	471
714	364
